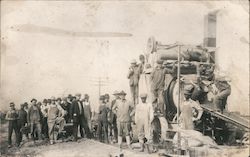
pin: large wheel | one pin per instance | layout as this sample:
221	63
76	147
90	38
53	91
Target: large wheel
170	100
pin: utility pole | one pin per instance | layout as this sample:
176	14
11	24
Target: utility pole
100	82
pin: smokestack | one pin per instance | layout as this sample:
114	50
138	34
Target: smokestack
210	29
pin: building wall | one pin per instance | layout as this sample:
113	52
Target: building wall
232	55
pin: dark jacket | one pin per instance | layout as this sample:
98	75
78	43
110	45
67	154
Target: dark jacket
75	111
22	117
34	115
103	113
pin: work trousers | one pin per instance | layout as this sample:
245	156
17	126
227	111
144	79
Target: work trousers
102	131
80	122
158	97
124	128
35	128
113	127
13	126
143	130
21	130
55	127
88	121
134	93
45	129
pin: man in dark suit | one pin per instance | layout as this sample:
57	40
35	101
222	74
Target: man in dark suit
77	114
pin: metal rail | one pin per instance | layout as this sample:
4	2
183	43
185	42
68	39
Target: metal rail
243	124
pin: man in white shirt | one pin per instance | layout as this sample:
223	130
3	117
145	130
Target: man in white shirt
144	114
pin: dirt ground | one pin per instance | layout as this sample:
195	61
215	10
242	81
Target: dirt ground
92	148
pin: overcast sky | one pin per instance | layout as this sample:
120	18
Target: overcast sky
47	51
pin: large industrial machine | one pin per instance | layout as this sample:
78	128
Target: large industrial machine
196	67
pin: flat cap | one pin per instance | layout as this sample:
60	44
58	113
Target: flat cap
53	98
86	95
12	104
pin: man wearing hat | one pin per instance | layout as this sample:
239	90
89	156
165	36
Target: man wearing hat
223	90
157	86
113	117
87	110
66	108
134	76
34	119
26	106
55	118
123	110
187	109
12	116
44	110
144	114
22	122
142	64
77	114
102	128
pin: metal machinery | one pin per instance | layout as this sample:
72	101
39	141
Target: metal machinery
197	67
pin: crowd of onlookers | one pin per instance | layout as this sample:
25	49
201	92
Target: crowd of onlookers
64	117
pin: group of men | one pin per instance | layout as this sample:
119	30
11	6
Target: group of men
47	119
116	119
156	81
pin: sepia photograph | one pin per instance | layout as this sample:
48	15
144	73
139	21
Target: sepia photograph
124	78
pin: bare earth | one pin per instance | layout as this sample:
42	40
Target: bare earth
91	148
